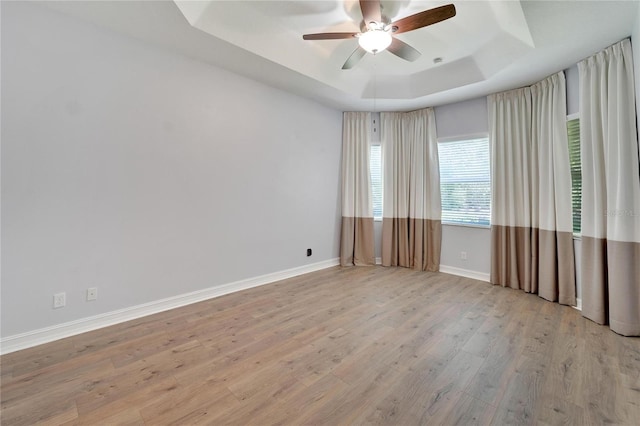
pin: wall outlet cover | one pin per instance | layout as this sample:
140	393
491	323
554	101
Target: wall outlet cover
92	293
59	300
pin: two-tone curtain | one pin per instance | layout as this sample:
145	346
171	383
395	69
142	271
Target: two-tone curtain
531	217
610	260
356	241
411	223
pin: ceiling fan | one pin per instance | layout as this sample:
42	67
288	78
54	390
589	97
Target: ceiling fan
376	34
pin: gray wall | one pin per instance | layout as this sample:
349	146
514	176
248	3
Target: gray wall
635	43
573	90
471	118
149	175
461	119
573	107
146	174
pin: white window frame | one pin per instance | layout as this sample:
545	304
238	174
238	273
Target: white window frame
461	138
377	218
576	235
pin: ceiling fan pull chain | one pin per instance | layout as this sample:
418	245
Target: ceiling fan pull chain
375	81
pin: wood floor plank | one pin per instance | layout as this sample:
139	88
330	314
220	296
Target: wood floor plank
409	398
138	349
125	417
73	374
572	323
552	410
185	403
628	401
629	358
272	379
459	372
518	406
567	363
140	374
31	359
389	346
491	381
52	409
484	339
346	408
144	396
469	411
49	396
602	388
320	357
309	399
265	403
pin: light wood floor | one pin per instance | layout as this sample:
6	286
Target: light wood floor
340	346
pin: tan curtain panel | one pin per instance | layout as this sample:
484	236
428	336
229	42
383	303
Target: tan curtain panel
610	190
531	218
356	242
411	227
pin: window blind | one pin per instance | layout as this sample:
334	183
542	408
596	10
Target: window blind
375	167
573	132
465	182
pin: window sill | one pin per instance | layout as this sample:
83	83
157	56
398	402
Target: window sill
467	225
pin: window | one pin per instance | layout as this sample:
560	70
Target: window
573	131
465	182
375	167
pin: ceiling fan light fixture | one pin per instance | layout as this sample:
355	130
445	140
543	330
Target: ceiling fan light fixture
376	31
374	41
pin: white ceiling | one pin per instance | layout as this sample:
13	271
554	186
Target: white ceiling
487	47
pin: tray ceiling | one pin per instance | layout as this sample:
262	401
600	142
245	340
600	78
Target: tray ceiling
487	47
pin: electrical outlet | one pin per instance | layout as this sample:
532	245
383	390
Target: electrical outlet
92	293
59	300
463	255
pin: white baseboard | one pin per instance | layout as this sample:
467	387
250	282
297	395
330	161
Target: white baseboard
465	273
578	304
455	271
483	277
72	328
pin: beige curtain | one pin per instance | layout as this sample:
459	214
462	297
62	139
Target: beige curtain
531	218
610	190
356	242
411	227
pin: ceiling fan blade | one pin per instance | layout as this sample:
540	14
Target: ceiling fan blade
371	11
423	19
403	50
328	36
354	58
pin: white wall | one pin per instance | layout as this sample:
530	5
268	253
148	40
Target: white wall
146	174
